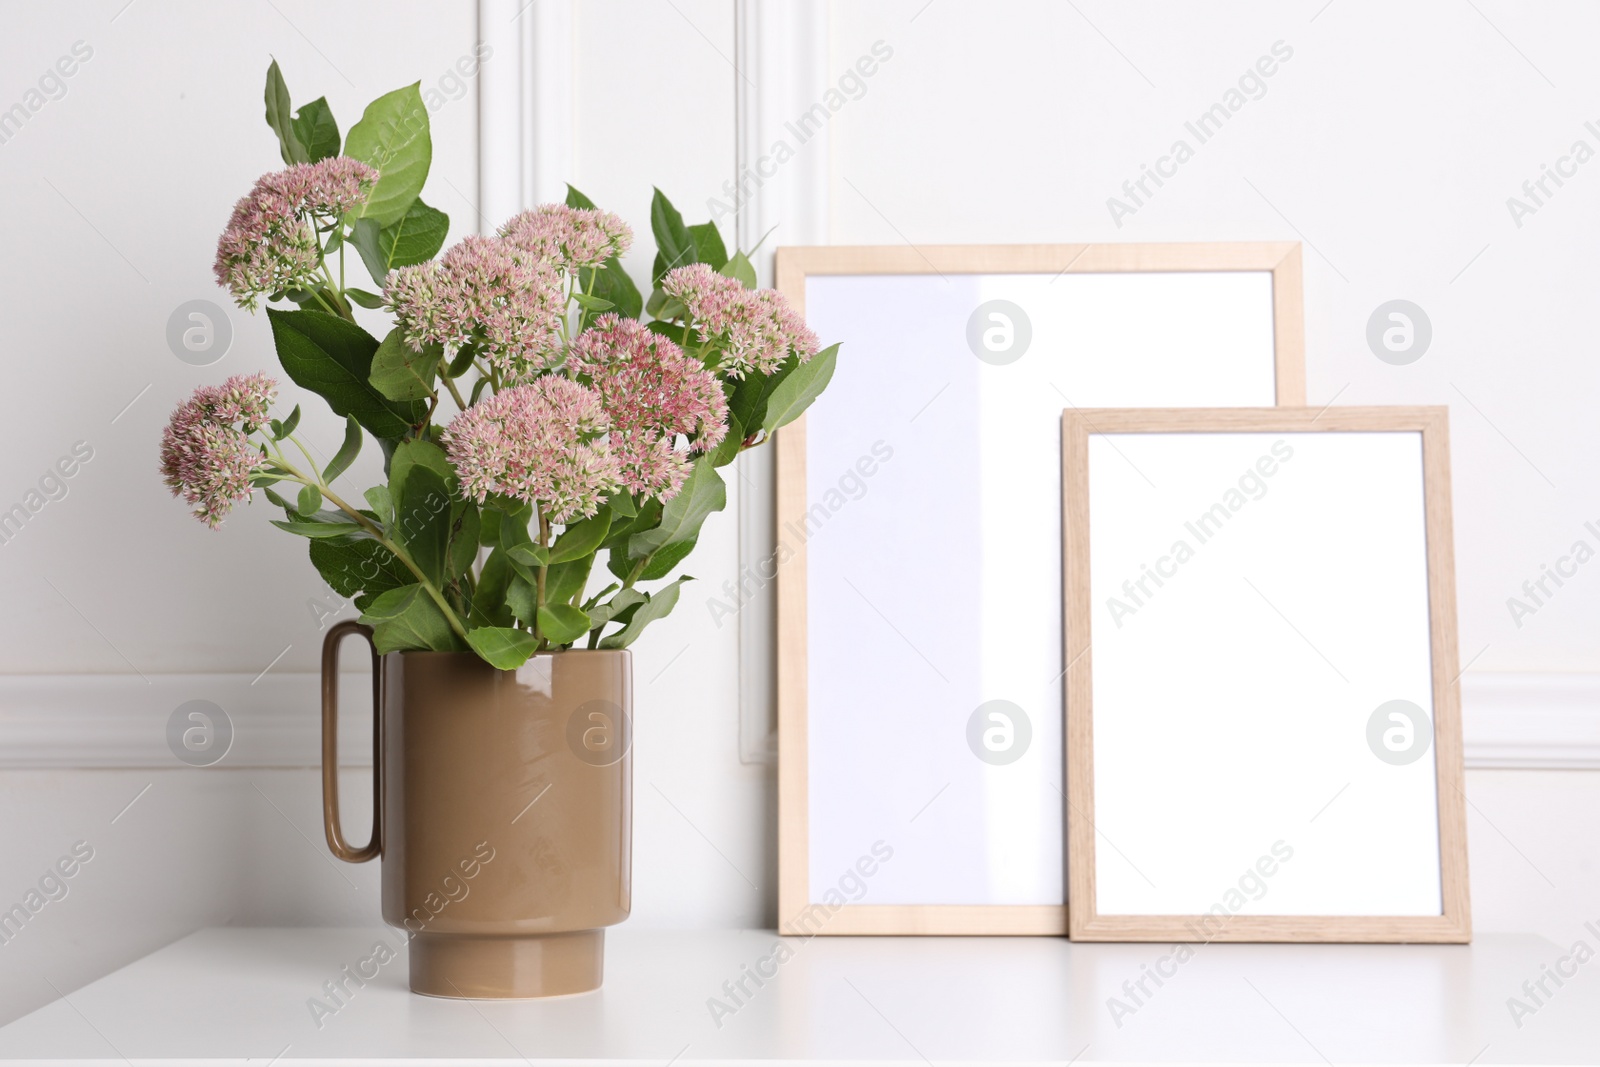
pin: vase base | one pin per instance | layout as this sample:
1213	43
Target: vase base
507	968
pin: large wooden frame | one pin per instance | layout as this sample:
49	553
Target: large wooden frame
794	266
1454	924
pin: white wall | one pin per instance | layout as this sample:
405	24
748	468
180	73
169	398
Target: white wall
1391	139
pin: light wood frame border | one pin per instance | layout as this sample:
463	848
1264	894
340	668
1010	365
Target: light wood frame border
796	914
1454	925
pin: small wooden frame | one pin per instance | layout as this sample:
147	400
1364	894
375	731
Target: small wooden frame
797	912
1296	506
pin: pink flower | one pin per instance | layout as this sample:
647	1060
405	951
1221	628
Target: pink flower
568	237
652	393
755	329
536	443
486	293
270	243
205	457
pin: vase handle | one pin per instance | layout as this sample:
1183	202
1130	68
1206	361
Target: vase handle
330	744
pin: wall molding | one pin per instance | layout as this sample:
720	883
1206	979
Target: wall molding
1531	720
780	61
1534	721
120	720
525	102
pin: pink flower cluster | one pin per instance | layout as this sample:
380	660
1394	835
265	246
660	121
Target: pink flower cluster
652	393
755	329
270	243
568	237
206	454
487	293
537	443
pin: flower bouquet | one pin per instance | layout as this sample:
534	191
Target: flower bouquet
535	410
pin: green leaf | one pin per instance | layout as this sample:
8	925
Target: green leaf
625	599
498	512
347	452
400	372
612	283
370	301
328	516
703	492
527	553
592	303
562	623
462	361
503	647
740	268
410	455
799	388
622	504
747	402
333	358
564	581
675	246
728	450
648	516
278	500
464	525
287	426
609	282
319	529
521	597
279	118
489	598
393	136
360	569
708	245
382	503
407	619
581	538
316	130
514	523
310	500
423	522
664	560
415	237
621	607
672	331
657	606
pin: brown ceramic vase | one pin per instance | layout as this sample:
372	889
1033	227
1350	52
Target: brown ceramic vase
503	813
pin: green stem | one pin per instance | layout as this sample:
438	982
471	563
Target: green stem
337	293
394	547
544	542
309	458
331	309
335	289
450	384
583	312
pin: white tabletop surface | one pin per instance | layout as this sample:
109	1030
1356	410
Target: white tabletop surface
237	995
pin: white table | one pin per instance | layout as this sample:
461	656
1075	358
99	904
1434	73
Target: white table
232	995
